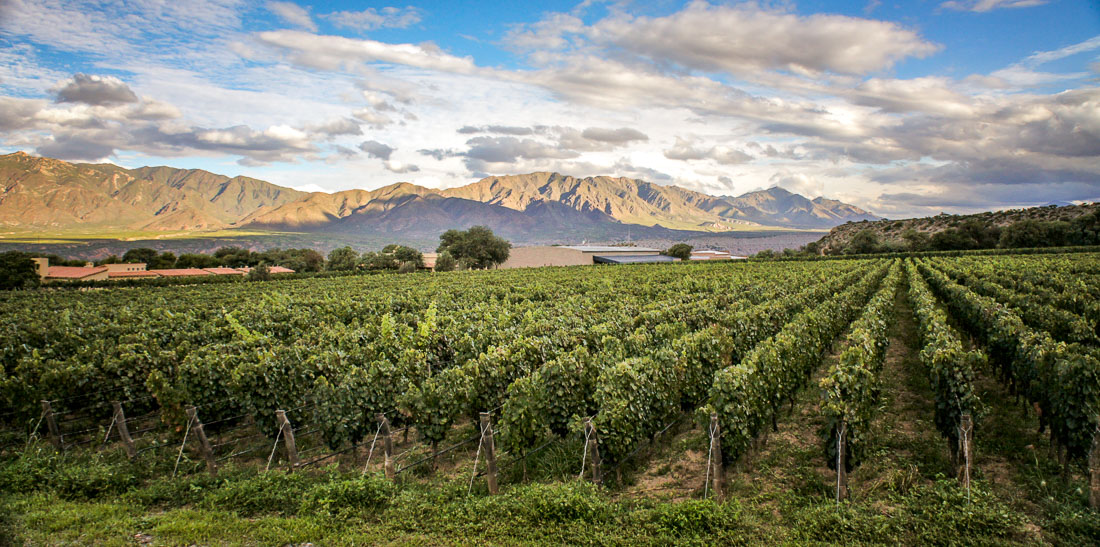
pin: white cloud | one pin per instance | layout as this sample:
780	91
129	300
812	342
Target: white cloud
990	5
336	52
745	38
371	18
293	13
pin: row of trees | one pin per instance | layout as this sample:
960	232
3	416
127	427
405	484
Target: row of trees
299	260
476	248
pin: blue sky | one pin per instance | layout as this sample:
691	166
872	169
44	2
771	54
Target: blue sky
905	108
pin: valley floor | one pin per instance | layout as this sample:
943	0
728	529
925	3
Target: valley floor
902	494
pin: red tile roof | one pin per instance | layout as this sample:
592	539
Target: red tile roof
182	272
150	273
279	269
73	272
224	271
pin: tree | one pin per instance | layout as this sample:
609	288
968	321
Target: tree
236	257
679	250
1085	229
916	240
163	261
477	248
17	271
193	260
404	254
1025	233
951	239
141	254
407	267
865	241
445	262
260	273
342	259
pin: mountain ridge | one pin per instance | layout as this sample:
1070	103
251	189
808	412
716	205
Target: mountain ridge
49	194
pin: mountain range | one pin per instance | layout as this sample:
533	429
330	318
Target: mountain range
43	194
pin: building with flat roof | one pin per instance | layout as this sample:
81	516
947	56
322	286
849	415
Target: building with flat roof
569	255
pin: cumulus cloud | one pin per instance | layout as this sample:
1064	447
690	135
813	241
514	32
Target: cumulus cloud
376	149
335	52
371	19
688	150
989	5
293	13
395	166
745	38
798	183
509	149
337	127
95	90
497	129
622	135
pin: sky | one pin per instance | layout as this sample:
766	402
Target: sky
903	108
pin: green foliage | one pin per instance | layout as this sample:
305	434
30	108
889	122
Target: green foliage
197	261
260	273
851	388
747	395
865	241
951	368
445	262
140	254
342	259
679	250
476	248
1064	379
17	271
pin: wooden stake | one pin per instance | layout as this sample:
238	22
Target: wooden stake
123	430
593	447
717	469
387	445
490	452
966	448
841	462
1094	471
204	443
288	438
51	424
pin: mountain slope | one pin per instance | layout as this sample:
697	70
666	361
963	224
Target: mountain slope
42	193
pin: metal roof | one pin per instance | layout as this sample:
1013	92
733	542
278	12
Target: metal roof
632	259
609	249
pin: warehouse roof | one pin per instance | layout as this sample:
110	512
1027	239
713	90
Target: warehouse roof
609	249
73	272
181	272
632	259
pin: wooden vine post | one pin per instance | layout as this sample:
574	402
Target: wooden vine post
51	424
387	445
592	447
204	443
490	452
123	430
841	462
288	438
717	471
1094	470
966	448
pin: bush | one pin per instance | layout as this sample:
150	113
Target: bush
344	497
445	262
679	250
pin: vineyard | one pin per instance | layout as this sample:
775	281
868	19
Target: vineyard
663	402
